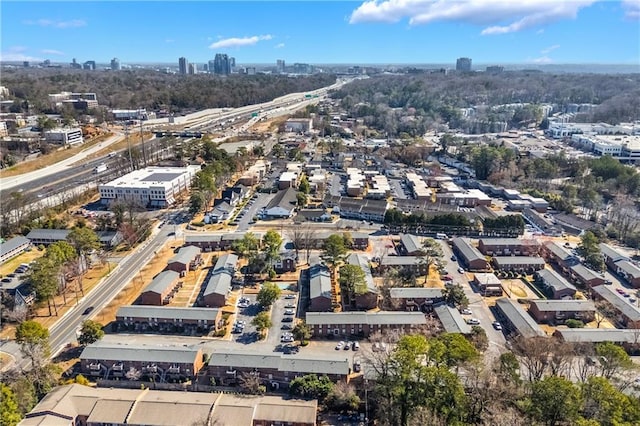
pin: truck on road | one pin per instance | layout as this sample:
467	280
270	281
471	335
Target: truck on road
102	167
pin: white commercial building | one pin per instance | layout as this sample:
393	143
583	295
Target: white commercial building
3	129
298	125
150	187
60	136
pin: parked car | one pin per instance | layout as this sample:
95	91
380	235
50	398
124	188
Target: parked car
339	346
473	321
357	366
447	278
287	319
460	270
355	346
466	311
453	258
286	327
497	325
290	306
347	346
289	312
290	296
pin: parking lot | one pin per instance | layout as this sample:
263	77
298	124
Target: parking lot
252	209
335	186
397	190
249	333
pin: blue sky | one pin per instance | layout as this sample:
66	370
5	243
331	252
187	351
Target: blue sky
378	31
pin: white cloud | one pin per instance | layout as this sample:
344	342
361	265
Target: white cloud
499	16
52	23
279	46
16	54
542	60
51	52
631	9
549	49
540	31
239	41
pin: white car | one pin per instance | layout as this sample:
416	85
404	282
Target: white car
466	311
339	346
473	321
460	270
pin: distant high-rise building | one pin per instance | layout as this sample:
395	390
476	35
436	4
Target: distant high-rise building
183	66
75	65
232	64
463	64
302	68
221	64
115	64
25	64
205	67
280	66
193	68
212	66
89	65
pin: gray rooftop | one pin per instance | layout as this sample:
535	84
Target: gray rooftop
161	177
508	242
598	335
362	261
554	280
415	293
319	282
469	252
521	320
48	234
167	312
185	255
618	302
518	260
375	318
585	273
488	279
12	244
564	305
611	253
400	260
285	199
219	283
411	243
304	364
628	268
161	282
558	251
226	261
201	238
451	320
139	353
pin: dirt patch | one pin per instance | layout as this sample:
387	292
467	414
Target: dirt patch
51	158
269	125
134	139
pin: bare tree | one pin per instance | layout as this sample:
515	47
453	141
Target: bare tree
309	237
251	384
561	357
534	353
583	363
296	235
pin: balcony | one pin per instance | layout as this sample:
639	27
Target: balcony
151	369
174	369
95	366
117	367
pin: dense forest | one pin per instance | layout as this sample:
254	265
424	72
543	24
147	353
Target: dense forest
414	103
154	90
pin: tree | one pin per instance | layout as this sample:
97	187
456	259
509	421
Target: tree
605	404
301	199
343	397
458	349
308	237
534	354
589	248
269	293
247	246
90	332
311	386
612	358
478	338
251	384
334	251
43	280
9	412
262	321
454	295
430	251
196	202
304	186
508	368
353	282
272	242
84	240
34	342
554	400
61	252
302	332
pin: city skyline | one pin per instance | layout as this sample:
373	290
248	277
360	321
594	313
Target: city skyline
395	32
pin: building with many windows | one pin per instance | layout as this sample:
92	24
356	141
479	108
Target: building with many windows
183	65
463	64
149	187
64	136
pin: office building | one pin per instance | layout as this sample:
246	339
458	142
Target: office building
75	65
280	66
232	63
221	64
64	137
80	101
89	65
193	69
115	64
495	69
25	64
463	64
152	186
183	66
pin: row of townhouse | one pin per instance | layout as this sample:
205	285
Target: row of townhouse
621	265
168	318
78	405
362	324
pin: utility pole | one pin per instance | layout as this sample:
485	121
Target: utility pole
126	133
144	154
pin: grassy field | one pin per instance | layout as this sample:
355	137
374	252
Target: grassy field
49	159
134	139
26	257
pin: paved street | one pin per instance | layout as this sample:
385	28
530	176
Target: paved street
253	210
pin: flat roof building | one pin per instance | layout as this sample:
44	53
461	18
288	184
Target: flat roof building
64	136
149	187
515	319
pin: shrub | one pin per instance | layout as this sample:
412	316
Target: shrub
573	323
